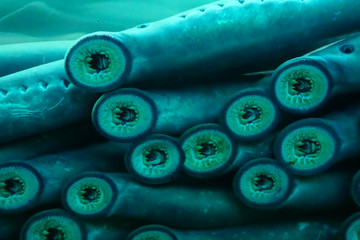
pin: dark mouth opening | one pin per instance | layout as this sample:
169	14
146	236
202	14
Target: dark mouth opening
99	62
307	147
250	115
90	194
263	182
124	115
13	186
302	85
54	234
156	157
207	149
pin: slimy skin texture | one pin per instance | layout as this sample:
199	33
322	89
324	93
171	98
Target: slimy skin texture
209	207
310	146
305	230
180	108
270	189
57	169
341	60
40	99
241	153
77	135
176	109
54	170
247	151
17	57
203	205
313	193
239	36
304	84
229	36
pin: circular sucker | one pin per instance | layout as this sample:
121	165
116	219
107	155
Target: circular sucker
250	115
307	147
98	62
155	159
263	183
20	187
124	115
301	85
90	195
53	224
209	150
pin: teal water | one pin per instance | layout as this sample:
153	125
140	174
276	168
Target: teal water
30	21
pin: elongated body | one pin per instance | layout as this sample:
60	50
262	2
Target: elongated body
324	191
210	151
341	59
266	184
248	151
128	113
310	146
40	99
179	205
303	84
250	35
38	182
176	205
182	108
306	230
17	57
69	137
